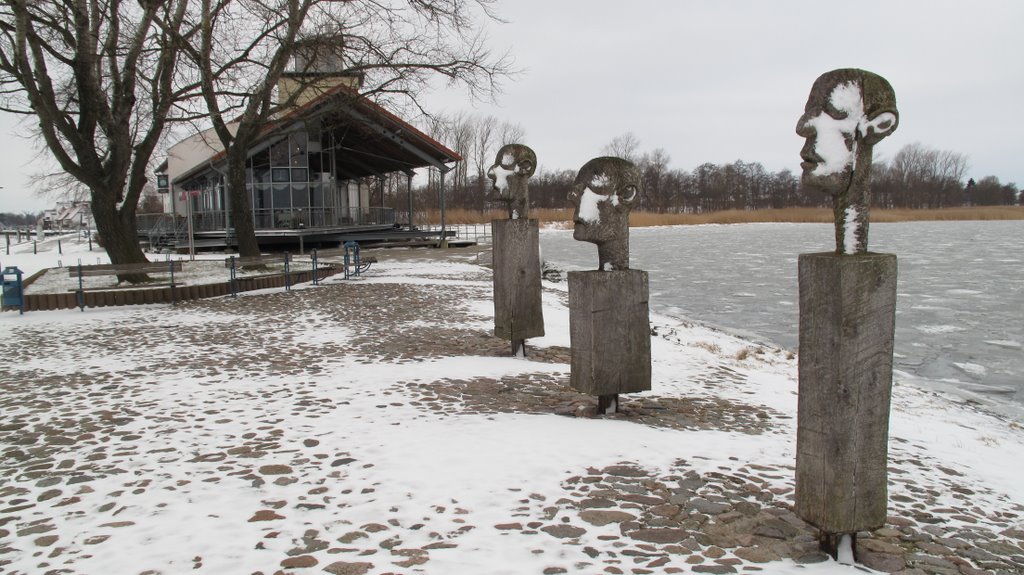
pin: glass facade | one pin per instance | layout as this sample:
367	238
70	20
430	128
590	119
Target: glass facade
291	186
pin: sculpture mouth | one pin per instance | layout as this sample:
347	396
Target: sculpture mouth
810	161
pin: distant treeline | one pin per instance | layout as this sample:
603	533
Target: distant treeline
916	177
24	219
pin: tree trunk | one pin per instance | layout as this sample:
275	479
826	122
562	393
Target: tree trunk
241	203
118	233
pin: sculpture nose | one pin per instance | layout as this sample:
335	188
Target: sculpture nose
804	127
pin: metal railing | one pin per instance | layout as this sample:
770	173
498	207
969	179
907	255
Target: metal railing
168	230
480	233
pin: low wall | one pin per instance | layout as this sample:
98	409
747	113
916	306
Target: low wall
105	298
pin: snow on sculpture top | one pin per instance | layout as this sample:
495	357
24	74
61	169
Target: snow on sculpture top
513	166
848	111
604	192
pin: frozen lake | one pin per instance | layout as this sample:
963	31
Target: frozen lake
960	304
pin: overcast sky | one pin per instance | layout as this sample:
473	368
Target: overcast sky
718	80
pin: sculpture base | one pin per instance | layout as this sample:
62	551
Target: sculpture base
610	332
847	324
518	309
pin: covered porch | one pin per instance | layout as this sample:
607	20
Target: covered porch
308	179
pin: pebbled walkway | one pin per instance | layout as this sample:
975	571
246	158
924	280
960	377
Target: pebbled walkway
95	441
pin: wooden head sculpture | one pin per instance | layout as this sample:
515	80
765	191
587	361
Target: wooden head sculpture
848	111
605	191
513	166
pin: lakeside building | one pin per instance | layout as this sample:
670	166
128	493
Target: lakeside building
308	176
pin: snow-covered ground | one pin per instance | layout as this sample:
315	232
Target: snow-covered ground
376	426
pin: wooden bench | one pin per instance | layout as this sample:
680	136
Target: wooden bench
117	269
80	272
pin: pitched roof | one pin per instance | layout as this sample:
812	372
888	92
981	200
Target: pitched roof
375	141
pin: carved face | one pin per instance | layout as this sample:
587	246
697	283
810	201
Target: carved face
513	162
840	116
603	194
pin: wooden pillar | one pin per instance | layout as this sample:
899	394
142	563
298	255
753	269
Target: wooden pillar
847	325
518	311
610	332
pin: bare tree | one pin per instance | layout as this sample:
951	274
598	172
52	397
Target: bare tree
624	146
510	133
398	46
101	78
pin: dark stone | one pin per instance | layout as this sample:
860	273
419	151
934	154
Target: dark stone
563	531
660	535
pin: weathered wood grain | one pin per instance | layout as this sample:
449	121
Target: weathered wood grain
609	331
847	324
518	311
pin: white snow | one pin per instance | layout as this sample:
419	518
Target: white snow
501	175
845	551
446	471
850	227
590	209
833	133
971	368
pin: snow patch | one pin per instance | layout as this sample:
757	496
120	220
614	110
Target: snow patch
850	227
832	133
971	368
501	175
590	210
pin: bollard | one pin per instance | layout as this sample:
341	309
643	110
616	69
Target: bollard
287	272
233	279
316	273
60	251
80	294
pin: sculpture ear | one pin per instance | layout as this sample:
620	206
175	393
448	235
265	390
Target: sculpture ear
628	195
525	167
877	128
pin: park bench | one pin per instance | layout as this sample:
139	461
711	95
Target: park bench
81	272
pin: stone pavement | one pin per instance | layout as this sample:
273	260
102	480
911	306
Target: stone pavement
71	423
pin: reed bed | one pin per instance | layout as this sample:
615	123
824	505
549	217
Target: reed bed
790	215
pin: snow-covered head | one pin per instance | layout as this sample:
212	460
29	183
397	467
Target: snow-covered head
513	166
848	111
603	194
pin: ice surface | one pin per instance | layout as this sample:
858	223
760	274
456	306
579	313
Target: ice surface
937	322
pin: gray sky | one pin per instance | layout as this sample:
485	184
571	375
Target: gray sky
720	80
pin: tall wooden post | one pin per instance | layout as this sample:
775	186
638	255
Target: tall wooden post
610	333
518	311
847	325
